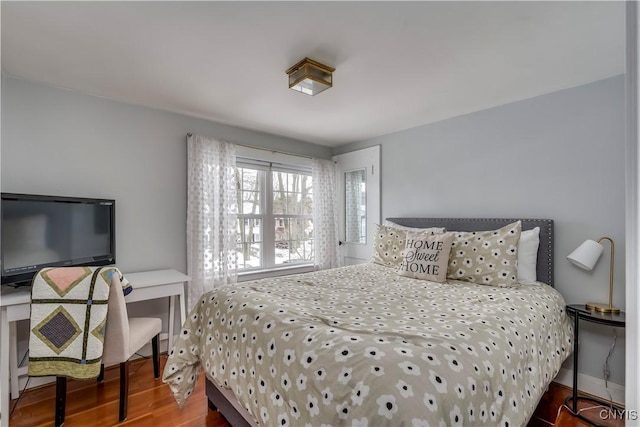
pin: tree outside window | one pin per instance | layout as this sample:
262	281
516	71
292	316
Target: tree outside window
283	199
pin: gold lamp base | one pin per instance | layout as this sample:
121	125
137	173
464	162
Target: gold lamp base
602	308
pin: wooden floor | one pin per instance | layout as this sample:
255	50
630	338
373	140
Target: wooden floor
552	412
151	404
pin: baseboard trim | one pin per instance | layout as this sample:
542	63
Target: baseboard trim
592	385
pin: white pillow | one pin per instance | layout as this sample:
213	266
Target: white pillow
528	256
435	230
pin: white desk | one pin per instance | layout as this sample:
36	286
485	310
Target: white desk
16	305
160	284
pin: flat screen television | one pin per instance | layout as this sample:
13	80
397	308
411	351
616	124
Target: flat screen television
52	231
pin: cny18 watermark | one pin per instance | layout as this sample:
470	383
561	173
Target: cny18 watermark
619	414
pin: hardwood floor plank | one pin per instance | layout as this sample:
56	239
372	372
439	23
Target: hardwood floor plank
151	403
551	411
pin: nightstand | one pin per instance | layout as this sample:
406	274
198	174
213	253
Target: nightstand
579	312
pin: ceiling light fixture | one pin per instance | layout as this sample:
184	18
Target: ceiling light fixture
310	77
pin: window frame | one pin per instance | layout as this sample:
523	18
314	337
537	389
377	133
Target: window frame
265	170
261	188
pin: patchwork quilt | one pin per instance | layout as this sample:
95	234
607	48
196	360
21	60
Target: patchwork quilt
363	346
68	319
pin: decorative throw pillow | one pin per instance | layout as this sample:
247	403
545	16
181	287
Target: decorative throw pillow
434	230
486	257
426	256
528	256
388	246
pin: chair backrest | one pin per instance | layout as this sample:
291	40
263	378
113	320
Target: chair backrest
116	339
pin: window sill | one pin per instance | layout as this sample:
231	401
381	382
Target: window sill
246	276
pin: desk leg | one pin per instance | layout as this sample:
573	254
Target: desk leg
183	314
13	359
4	370
183	309
576	329
172	319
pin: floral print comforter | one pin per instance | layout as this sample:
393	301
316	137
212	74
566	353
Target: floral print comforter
362	346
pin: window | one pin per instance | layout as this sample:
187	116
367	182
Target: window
275	219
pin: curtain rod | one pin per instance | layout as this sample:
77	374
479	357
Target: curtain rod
267	149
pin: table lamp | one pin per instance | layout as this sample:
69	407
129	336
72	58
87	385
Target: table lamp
585	256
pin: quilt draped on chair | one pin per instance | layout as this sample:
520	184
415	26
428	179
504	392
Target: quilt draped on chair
68	319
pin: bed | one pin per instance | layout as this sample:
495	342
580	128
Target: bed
363	346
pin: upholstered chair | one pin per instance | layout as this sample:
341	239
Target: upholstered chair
125	336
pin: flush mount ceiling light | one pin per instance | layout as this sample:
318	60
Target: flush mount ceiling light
310	77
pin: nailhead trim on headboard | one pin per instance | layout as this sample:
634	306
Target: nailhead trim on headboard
544	268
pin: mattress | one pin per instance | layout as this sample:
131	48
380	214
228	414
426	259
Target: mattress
360	345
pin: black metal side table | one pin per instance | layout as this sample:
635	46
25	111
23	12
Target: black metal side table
580	312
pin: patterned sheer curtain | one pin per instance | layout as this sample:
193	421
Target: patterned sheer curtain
325	215
211	215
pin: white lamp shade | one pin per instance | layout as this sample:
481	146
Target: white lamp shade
586	255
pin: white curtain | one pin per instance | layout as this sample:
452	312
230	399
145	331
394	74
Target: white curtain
325	215
211	215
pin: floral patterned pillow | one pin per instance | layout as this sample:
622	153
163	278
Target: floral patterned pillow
388	246
486	257
389	243
436	230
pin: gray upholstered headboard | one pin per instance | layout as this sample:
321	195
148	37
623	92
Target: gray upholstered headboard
544	269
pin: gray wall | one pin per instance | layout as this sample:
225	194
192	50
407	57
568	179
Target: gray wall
558	156
61	142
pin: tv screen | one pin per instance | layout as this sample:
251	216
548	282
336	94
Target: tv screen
44	231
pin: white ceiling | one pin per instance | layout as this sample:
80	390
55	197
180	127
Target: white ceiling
398	65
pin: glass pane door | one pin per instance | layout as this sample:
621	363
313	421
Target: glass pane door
356	206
